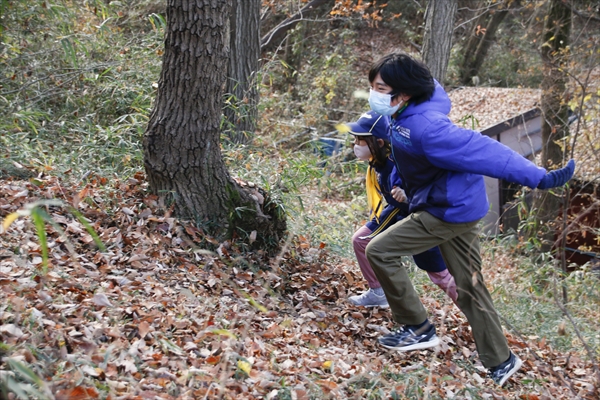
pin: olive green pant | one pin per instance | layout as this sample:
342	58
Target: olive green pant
459	245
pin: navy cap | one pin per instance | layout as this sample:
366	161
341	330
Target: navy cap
370	123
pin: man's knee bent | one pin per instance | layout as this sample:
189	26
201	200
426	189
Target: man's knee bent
374	250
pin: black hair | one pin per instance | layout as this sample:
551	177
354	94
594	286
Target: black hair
379	153
404	75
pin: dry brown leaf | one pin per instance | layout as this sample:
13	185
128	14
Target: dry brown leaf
143	329
100	299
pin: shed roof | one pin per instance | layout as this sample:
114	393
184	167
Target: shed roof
489	106
479	108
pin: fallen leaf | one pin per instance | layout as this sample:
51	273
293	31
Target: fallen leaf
12	330
143	329
329	385
244	366
100	299
213	359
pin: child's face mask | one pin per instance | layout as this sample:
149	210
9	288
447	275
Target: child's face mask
362	152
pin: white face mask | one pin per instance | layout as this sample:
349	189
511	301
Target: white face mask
362	152
380	103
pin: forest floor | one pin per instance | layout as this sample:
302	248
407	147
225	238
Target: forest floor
156	317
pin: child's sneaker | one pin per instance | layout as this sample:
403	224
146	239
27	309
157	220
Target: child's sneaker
409	338
502	372
369	299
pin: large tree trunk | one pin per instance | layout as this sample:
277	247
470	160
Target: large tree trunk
437	40
555	127
484	35
182	155
241	91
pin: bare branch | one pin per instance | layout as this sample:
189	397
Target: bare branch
582	15
591	353
290	22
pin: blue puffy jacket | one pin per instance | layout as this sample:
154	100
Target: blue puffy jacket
387	176
441	164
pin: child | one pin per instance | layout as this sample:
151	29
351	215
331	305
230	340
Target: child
371	144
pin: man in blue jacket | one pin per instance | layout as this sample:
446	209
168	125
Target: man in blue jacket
442	167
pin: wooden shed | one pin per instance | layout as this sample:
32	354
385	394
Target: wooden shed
512	117
523	134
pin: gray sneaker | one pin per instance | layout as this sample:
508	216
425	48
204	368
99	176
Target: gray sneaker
502	372
409	338
369	299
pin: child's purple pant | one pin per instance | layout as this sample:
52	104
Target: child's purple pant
359	249
443	278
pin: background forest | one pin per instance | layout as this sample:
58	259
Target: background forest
106	294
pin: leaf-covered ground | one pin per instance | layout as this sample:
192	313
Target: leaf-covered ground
156	317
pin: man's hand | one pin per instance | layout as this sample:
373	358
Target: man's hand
558	177
398	194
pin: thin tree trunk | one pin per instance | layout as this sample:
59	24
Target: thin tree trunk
484	35
293	52
437	40
477	32
488	39
555	56
555	110
241	91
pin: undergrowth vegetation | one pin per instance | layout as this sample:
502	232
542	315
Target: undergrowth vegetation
77	81
77	85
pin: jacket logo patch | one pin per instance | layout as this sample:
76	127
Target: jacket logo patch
401	135
402	131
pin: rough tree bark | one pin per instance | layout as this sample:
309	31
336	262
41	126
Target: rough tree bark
484	35
437	40
182	155
241	93
555	126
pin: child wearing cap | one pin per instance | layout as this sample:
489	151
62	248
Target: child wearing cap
371	144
